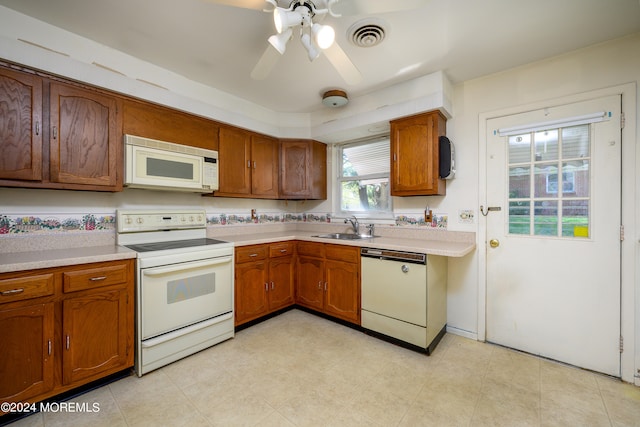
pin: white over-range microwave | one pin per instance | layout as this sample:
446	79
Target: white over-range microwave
163	165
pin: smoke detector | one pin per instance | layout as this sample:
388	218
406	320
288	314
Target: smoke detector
367	32
335	98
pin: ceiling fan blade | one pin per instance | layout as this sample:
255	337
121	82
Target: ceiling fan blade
266	63
245	4
366	7
343	64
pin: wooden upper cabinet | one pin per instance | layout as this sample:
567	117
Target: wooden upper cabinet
169	125
264	166
415	155
20	126
248	164
234	157
85	141
303	169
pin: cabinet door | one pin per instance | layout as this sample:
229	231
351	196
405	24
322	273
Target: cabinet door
342	296
250	291
310	282
26	359
281	281
85	141
20	126
295	167
415	155
94	335
264	164
234	155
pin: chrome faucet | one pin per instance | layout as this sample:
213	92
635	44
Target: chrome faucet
354	224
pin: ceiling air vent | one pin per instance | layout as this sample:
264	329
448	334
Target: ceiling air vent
367	33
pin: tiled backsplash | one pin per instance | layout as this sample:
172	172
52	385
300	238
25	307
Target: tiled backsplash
87	222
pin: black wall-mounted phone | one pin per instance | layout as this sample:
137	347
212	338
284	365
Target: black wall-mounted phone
447	158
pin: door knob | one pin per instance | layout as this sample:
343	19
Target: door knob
494	243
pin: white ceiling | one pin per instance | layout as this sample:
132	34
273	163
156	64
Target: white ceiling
219	45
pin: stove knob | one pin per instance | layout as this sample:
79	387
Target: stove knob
199	218
191	219
139	220
128	220
183	219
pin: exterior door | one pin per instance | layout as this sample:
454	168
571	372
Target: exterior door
553	233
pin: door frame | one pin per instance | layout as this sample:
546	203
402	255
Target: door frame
629	262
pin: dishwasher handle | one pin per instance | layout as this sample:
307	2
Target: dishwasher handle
391	255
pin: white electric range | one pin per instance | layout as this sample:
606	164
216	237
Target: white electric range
184	284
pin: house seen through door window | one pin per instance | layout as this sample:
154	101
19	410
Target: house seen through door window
549	182
363	180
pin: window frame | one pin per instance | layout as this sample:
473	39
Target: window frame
340	179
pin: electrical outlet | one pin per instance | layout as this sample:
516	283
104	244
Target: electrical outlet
466	216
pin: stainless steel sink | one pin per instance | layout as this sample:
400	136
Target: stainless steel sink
345	236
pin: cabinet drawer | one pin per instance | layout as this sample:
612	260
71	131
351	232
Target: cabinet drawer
251	253
311	249
20	288
343	253
280	249
90	278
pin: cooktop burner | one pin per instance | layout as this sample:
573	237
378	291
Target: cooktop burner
175	244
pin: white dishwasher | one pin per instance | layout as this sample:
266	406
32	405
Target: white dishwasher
404	297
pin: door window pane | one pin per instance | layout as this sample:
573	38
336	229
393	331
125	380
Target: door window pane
575	178
546	180
545	219
575	218
546	145
520	149
519	219
520	182
575	142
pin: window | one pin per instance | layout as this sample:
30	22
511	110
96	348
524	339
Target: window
549	182
363	180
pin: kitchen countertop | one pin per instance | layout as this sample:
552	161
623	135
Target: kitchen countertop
21	261
429	247
53	257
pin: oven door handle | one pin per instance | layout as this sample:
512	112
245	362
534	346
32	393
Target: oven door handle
185	266
185	331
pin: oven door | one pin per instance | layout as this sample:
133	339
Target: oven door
178	295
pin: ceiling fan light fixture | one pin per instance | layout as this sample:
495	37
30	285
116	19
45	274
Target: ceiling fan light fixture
312	52
324	35
283	19
279	41
335	98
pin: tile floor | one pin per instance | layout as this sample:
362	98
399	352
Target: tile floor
298	369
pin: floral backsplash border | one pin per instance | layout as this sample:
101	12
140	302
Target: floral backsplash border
92	222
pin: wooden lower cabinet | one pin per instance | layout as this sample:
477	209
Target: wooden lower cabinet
310	282
264	280
323	277
64	327
26	360
94	334
328	279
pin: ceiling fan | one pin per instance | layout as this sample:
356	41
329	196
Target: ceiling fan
304	17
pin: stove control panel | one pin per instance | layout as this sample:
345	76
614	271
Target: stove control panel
137	221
